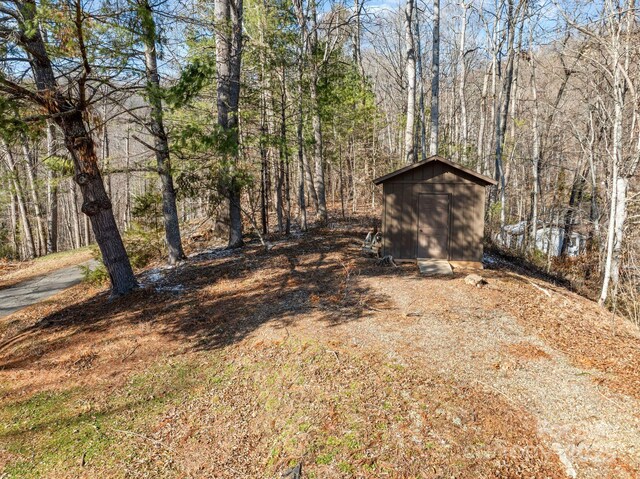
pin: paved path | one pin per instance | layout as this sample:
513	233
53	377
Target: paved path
31	291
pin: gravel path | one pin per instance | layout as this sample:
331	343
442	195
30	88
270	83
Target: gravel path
588	426
446	329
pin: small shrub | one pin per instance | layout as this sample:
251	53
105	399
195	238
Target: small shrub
147	209
96	276
6	250
142	247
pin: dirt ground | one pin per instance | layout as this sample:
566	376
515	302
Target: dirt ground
246	363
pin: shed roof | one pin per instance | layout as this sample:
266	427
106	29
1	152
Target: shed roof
482	179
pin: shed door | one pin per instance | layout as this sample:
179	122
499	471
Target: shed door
433	226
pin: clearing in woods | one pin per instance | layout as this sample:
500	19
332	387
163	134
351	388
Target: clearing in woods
244	363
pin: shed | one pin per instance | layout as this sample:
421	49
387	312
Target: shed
434	209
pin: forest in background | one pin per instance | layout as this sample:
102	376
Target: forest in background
134	118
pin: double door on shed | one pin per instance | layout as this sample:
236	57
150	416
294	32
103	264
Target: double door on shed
433	226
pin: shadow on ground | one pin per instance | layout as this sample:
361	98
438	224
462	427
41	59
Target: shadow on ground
219	298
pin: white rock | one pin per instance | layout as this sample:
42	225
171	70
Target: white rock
475	280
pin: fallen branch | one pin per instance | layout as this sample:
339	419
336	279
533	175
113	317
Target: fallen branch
545	291
126	356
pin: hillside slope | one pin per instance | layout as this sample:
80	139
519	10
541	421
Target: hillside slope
245	363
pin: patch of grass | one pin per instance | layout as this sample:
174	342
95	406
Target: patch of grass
152	425
33	415
326	458
350	440
274	454
53	432
304	427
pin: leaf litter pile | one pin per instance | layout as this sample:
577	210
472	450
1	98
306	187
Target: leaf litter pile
251	362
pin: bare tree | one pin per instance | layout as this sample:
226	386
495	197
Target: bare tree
52	192
464	128
435	80
30	245
513	19
410	128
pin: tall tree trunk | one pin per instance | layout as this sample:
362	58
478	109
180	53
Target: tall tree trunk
69	117
160	141
352	175
495	71
410	59
284	153
318	156
86	230
30	165
535	167
235	197
481	164
575	198
594	215
464	127
309	179
319	180
501	118
357	37
105	147
420	79
621	217
264	171
264	133
127	184
279	173
67	215
306	176
435	80
619	180
52	192
13	214
73	203
302	206
515	87
611	233
228	58
617	212
30	248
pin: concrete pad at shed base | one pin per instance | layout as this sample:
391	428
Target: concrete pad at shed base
466	265
434	267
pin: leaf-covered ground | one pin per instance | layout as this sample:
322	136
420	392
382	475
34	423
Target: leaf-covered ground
242	364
